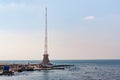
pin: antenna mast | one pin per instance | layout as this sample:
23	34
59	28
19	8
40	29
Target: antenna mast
46	37
45	55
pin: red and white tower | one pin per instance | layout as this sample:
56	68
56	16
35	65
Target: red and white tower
46	60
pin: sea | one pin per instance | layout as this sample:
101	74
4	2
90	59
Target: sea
82	70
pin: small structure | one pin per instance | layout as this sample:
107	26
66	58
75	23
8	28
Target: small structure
46	61
7	71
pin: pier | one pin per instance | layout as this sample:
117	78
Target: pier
28	67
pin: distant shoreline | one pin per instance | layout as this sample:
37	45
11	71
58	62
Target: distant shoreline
63	60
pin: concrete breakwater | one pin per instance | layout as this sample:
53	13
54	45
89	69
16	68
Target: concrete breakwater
28	67
19	67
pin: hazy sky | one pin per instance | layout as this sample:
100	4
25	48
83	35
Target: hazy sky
78	29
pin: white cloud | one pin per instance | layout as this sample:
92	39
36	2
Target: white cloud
10	6
14	6
89	18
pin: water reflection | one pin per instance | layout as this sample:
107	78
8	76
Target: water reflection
46	75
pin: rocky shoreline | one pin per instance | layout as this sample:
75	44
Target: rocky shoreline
28	67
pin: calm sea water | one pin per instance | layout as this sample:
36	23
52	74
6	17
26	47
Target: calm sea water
83	70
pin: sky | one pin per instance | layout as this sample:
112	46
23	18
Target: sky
77	29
